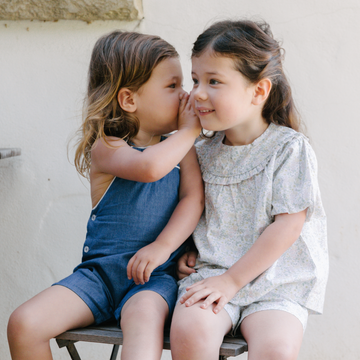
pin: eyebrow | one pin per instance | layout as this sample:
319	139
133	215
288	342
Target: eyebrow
174	77
209	73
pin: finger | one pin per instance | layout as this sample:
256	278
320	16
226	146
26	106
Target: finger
184	275
213	297
186	296
148	271
220	305
192	259
182	263
129	268
184	269
140	272
195	285
201	294
188	104
183	102
134	271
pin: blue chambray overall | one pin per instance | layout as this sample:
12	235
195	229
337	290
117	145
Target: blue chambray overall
129	216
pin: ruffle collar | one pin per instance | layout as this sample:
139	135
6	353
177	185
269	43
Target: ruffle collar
223	164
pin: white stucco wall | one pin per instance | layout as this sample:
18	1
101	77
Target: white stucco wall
44	205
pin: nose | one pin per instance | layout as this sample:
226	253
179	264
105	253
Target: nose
199	93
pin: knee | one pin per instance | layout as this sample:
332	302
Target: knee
279	352
190	335
136	310
185	329
22	326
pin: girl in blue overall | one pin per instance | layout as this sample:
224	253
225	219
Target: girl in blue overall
262	263
147	198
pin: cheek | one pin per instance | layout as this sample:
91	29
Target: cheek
173	105
222	102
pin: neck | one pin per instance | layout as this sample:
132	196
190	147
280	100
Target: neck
143	139
245	134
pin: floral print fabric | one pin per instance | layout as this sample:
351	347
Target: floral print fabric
245	187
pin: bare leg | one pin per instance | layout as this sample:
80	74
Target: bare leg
272	335
46	315
196	333
142	322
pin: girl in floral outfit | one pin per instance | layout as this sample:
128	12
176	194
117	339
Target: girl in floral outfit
262	263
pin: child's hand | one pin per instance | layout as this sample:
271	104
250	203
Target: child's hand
217	289
187	117
142	264
186	263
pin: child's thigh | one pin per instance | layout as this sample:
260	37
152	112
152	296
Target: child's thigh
272	334
52	312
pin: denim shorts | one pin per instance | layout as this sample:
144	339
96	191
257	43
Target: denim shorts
103	285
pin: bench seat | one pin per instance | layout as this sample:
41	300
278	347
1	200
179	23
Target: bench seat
111	334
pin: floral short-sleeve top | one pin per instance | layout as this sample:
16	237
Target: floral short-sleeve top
245	187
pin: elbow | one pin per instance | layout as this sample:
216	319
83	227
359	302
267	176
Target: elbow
291	225
294	231
151	173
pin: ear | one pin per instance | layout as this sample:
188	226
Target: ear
126	100
262	91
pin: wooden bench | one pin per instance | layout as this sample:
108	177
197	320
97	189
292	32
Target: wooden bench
111	334
9	152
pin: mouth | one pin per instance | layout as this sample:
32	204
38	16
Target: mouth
205	112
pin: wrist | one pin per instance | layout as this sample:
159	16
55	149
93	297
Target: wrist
190	130
163	245
234	280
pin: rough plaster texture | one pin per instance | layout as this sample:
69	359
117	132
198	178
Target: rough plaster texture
87	10
44	205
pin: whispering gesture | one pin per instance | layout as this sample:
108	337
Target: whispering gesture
217	289
187	117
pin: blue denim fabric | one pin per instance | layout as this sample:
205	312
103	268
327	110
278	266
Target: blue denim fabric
129	216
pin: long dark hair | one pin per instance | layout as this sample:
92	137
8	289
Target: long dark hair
257	55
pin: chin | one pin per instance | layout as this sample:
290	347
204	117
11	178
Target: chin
210	128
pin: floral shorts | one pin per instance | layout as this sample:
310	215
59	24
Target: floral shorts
270	301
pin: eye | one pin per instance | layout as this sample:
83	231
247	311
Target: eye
213	82
172	86
195	81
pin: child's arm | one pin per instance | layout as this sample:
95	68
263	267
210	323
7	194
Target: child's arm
180	226
270	245
153	163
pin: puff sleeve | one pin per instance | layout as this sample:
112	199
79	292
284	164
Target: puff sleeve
295	184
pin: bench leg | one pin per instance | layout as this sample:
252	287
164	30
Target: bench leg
73	352
222	357
114	352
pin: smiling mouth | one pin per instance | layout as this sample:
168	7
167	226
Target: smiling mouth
204	112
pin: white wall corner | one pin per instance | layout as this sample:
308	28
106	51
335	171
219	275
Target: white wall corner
86	10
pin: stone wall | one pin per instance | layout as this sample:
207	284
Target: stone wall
86	10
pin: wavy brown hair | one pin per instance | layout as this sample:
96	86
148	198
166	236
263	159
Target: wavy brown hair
257	55
118	60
